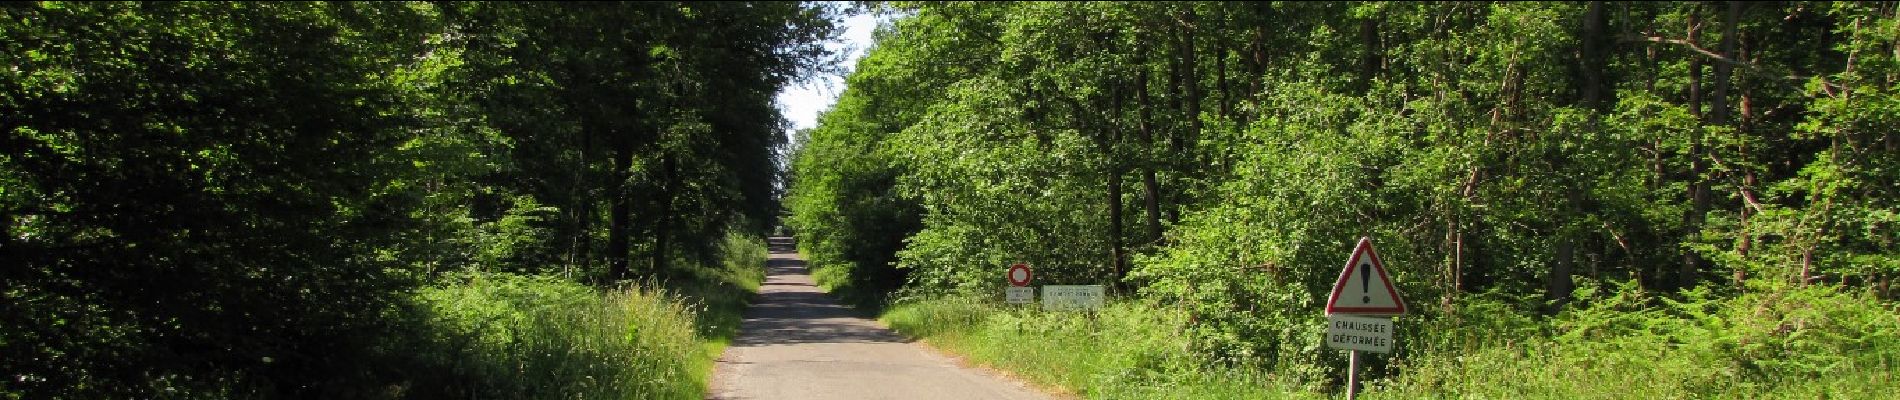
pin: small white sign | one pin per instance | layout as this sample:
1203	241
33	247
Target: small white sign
1019	294
1072	297
1350	332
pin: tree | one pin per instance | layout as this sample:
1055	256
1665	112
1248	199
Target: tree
1513	150
186	207
242	199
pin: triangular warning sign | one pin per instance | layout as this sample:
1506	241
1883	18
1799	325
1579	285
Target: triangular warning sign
1364	287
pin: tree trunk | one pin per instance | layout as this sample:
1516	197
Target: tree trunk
620	225
11	142
1153	204
1595	60
1719	105
1744	120
1369	58
1690	270
1717	115
1226	108
1115	223
1257	71
1174	72
1448	278
663	220
1111	136
1151	188
1457	257
1559	286
582	210
1192	70
1592	57
1176	149
1658	173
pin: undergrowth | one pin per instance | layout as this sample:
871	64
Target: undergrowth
1126	351
513	336
1805	343
1795	343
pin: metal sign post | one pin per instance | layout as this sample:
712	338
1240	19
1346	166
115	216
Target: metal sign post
1352	375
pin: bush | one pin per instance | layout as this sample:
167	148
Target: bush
1804	343
528	337
1127	350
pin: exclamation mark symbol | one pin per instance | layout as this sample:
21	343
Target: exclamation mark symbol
1365	282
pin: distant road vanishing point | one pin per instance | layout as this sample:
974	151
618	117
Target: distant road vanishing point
797	344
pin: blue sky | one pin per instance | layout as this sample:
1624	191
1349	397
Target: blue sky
801	103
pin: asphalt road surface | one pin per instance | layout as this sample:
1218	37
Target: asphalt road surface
797	344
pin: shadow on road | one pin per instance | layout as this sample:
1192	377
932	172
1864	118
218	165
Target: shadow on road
791	310
782	245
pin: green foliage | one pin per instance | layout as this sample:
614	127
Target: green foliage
507	241
1810	343
1126	351
181	203
848	217
990	201
743	259
505	335
630	116
1583	184
719	293
530	337
236	200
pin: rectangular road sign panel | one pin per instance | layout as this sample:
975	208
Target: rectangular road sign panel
1072	297
1019	294
1350	332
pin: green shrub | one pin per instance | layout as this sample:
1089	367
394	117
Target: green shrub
514	336
743	258
718	296
527	337
1127	350
1805	343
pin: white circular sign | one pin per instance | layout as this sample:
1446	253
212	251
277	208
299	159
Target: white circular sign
1019	274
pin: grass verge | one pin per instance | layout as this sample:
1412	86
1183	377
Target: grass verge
1796	344
529	337
1125	351
501	335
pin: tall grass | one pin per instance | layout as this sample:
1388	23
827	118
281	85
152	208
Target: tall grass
1125	351
492	335
1806	344
535	337
718	295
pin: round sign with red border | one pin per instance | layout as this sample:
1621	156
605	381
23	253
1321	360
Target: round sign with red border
1019	274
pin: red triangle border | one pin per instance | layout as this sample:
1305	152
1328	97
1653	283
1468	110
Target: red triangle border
1378	265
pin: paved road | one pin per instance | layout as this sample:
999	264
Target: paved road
797	344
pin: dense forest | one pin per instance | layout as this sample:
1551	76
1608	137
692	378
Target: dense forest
385	199
1699	198
562	200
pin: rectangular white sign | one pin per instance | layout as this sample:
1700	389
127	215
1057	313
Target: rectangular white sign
1019	295
1349	332
1072	297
